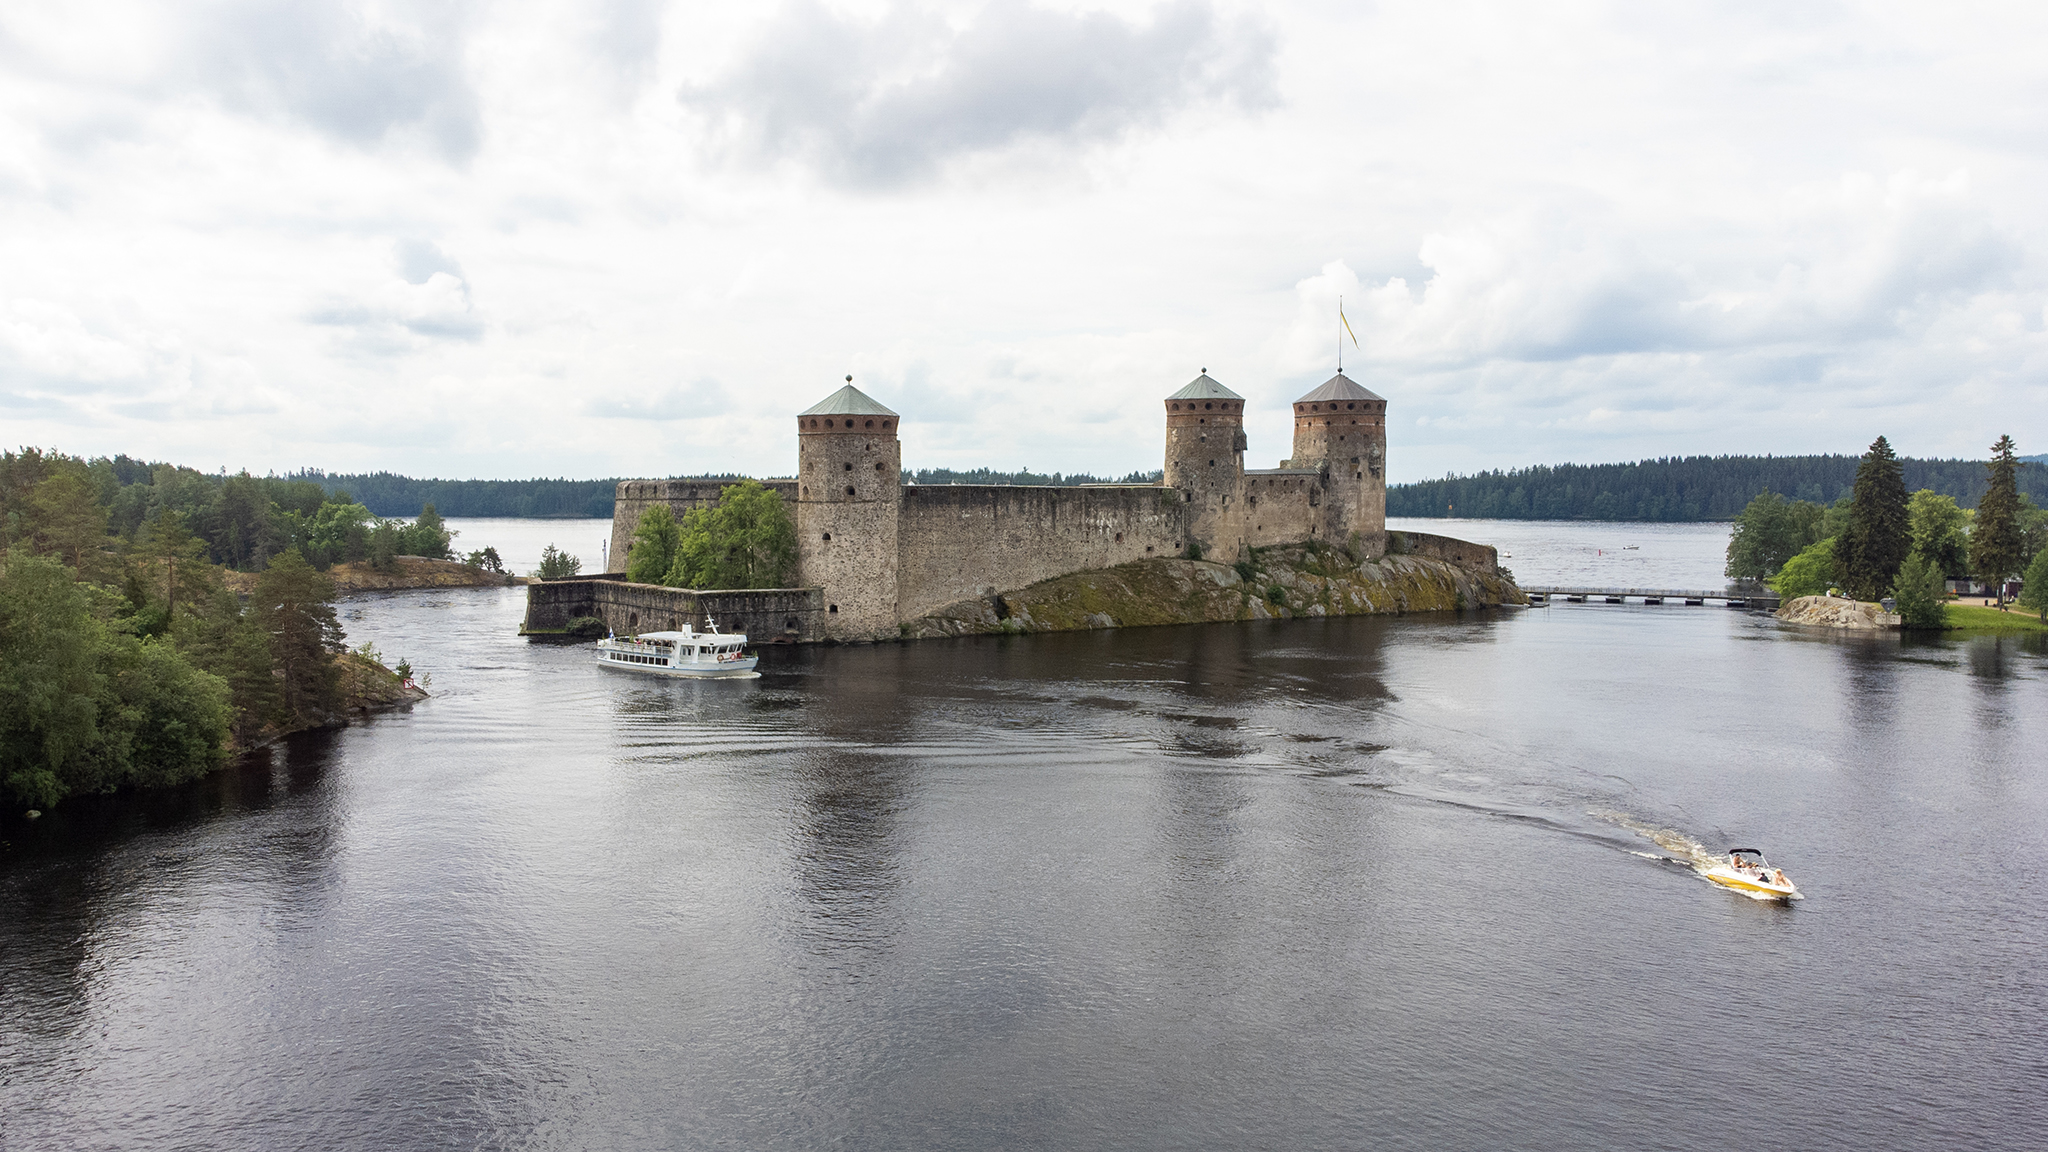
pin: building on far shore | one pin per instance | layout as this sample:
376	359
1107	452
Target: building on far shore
885	552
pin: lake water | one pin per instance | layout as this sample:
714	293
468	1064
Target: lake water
1601	554
1392	883
520	542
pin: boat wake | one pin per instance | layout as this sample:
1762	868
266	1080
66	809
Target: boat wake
1680	849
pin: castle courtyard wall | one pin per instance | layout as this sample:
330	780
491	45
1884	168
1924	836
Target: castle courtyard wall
1281	506
634	497
958	541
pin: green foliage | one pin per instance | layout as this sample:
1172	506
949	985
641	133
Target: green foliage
1995	542
294	606
87	708
96	506
1770	531
66	521
1677	489
2034	586
1194	550
428	536
652	551
587	626
384	543
746	541
556	564
1919	593
1880	533
1810	573
1245	570
486	559
1939	532
1275	594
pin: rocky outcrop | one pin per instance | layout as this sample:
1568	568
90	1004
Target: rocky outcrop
1836	612
1274	583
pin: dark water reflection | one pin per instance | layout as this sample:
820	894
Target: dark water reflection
1360	883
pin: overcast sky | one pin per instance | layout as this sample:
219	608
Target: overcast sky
633	238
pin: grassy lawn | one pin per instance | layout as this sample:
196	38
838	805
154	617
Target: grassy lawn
1992	620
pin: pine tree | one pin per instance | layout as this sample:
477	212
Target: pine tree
1880	530
1995	538
294	605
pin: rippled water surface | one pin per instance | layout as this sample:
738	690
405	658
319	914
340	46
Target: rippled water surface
1317	884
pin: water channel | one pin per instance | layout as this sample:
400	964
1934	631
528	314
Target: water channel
1378	883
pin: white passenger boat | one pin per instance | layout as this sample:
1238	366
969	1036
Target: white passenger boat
1748	872
685	653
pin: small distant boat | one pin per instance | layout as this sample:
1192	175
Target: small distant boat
1746	870
688	653
1631	547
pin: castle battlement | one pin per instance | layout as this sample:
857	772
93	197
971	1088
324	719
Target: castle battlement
885	553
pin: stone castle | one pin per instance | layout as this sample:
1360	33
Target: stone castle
884	553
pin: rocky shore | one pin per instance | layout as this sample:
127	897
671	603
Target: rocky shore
407	572
1836	612
1276	583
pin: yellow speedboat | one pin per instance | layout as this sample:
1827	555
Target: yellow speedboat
1748	872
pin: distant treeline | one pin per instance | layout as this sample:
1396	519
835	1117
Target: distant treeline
1679	488
389	494
1027	476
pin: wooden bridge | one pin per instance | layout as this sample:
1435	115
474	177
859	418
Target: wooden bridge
1544	594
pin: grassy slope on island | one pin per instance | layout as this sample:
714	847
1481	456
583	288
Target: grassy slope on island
1973	618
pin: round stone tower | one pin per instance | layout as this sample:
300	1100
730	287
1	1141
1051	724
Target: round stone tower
848	500
1341	429
1205	460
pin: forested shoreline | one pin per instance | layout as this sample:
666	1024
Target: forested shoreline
1677	489
127	657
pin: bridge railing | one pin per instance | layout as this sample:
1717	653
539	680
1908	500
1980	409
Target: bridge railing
1734	597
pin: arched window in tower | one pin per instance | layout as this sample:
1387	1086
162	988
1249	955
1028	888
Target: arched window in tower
878	465
871	423
849	489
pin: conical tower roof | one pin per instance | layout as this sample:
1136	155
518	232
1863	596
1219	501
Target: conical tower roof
1340	387
848	401
1204	388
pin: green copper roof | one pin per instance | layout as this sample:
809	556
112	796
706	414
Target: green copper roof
1204	388
848	401
1339	387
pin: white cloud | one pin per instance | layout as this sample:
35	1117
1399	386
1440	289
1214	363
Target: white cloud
460	239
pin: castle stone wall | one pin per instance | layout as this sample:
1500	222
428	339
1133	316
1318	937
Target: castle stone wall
1463	553
961	541
766	616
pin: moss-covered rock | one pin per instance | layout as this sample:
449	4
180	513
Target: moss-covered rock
1279	582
